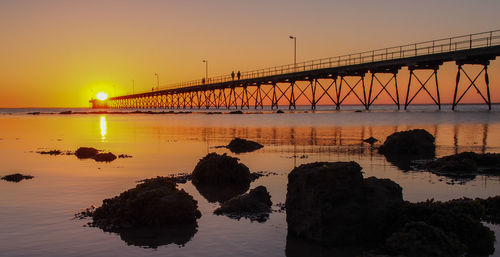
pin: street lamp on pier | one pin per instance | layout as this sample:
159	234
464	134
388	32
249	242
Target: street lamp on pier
294	51
206	70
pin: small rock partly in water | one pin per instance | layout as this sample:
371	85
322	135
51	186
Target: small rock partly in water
280	111
256	205
33	113
236	112
86	152
124	156
222	169
239	145
104	157
66	112
16	177
465	164
51	152
152	203
417	142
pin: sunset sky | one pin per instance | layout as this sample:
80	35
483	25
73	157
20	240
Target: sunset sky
61	53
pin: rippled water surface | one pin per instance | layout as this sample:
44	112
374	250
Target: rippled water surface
36	215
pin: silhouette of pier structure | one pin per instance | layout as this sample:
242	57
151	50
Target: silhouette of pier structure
330	81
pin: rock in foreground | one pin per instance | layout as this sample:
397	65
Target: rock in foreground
330	202
417	142
257	201
239	145
16	177
154	202
215	169
86	152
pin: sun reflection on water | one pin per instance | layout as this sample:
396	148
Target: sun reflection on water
104	128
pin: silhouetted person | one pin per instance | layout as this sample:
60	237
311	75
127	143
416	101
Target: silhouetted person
203	81
232	74
239	75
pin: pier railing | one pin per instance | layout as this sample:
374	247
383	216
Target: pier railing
446	45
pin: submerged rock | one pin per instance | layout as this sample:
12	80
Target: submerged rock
104	157
16	177
152	203
465	164
370	140
255	205
86	152
215	169
417	142
239	145
51	152
330	202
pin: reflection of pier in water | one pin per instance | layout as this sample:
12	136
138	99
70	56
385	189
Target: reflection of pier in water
450	138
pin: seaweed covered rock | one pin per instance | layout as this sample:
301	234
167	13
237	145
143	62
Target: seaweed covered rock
17	177
416	142
491	207
104	157
86	152
466	164
420	239
460	218
154	202
215	169
330	202
239	145
257	201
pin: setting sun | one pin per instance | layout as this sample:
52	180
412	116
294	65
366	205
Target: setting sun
102	96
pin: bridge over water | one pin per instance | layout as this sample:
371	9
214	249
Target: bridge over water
330	81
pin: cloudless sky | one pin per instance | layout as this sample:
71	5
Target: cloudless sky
60	53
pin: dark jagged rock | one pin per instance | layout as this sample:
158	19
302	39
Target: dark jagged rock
466	164
236	112
215	169
86	152
255	205
370	140
460	218
155	202
51	152
104	157
16	177
332	203
401	148
417	142
420	239
239	145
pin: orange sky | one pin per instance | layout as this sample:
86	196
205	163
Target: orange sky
60	53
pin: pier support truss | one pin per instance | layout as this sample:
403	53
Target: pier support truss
473	82
424	84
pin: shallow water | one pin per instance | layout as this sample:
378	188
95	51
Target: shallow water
36	215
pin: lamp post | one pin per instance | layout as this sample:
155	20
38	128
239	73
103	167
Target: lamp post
157	81
206	70
294	51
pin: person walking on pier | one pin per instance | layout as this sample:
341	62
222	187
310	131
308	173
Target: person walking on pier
239	75
232	74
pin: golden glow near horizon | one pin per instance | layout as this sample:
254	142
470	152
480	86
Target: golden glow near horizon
102	96
60	53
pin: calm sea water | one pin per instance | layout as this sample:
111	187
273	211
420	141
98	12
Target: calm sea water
36	215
